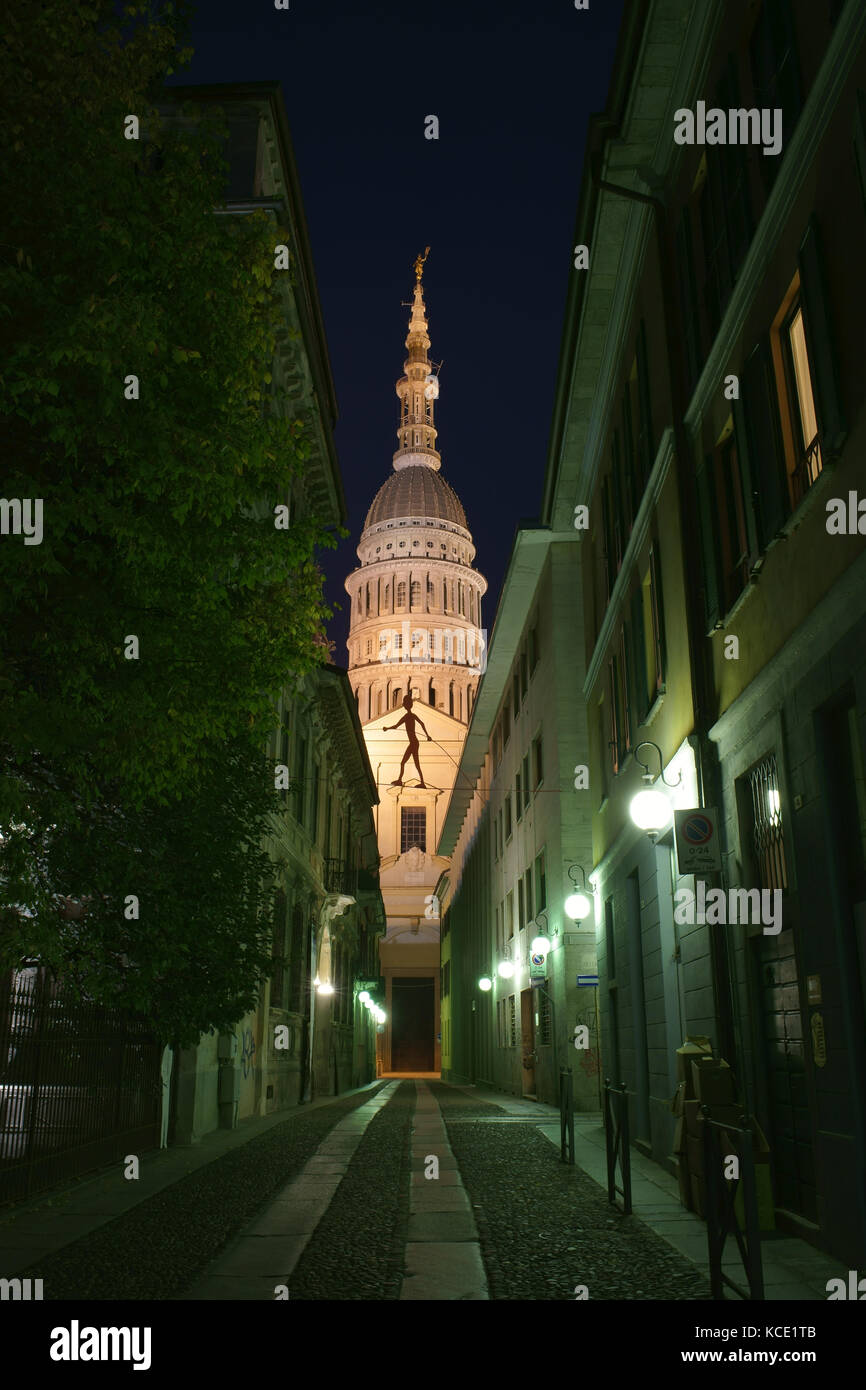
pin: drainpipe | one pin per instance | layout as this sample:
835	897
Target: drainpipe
706	768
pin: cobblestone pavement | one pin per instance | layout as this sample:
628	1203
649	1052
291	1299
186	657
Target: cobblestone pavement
159	1248
358	1248
546	1228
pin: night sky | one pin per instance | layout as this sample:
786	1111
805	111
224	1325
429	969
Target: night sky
495	198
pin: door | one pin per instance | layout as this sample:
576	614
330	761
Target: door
412	1022
527	1037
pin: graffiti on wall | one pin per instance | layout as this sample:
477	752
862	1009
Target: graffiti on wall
248	1052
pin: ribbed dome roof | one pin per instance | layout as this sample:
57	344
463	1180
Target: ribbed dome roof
416	491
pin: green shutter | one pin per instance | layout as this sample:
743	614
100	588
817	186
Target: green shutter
659	615
819	341
709	543
763	445
640	683
644	406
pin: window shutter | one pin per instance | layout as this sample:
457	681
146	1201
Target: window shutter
638	662
659	617
819	341
762	439
644	406
709	545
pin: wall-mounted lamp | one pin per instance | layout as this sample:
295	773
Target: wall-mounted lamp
578	905
650	809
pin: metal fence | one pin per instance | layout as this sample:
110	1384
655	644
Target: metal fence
721	1214
80	1085
617	1143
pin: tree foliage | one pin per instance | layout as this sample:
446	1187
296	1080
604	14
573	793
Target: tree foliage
158	523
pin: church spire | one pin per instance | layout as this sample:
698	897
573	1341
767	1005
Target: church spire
418	389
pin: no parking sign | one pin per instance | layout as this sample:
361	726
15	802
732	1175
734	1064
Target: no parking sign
697	837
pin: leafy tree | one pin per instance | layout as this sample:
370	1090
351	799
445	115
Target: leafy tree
158	523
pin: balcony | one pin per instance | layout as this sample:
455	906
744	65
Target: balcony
340	877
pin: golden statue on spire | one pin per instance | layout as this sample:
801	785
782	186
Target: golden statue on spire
419	264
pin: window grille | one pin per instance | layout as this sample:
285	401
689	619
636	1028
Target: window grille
768	841
413	828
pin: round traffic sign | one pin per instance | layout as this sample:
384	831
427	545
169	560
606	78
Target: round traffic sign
697	830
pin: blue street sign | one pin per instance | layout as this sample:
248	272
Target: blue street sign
587	979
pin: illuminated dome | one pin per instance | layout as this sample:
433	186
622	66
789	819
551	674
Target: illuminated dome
416	492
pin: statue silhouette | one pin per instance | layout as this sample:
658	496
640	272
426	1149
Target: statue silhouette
410	720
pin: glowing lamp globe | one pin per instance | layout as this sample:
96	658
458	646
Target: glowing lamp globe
506	969
486	984
651	811
540	946
325	988
578	906
364	996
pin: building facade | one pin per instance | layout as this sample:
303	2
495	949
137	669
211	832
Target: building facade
308	1036
519	840
710	419
416	648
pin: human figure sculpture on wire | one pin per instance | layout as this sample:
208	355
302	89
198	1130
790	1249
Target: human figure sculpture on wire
410	720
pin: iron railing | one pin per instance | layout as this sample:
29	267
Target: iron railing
80	1085
566	1116
721	1194
340	877
617	1143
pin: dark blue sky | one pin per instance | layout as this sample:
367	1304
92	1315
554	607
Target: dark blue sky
513	85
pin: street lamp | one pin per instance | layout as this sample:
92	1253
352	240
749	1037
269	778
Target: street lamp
485	984
578	905
650	809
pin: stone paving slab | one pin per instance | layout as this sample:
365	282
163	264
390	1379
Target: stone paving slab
433	1197
445	1271
442	1226
448	1177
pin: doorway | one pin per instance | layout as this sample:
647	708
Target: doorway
527	1035
412	1019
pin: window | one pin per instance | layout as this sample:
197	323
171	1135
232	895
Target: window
416	593
610	566
776	74
521	907
690	322
509	916
524	675
396	697
533	649
314	818
518	799
506	724
767	840
508	824
617	734
527	880
654	621
638	666
498	928
401	594
413	828
512	1021
368	647
544	1032
515	694
540	884
300	784
526	780
278	950
801	403
538	762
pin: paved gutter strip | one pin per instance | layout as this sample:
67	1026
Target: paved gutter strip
546	1228
443	1256
267	1252
159	1247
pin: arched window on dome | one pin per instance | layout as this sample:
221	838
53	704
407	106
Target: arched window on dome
451	699
401	594
368	600
431	593
415	589
461	599
431	695
396	697
468	702
381	702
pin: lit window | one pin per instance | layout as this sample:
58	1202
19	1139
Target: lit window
804	421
